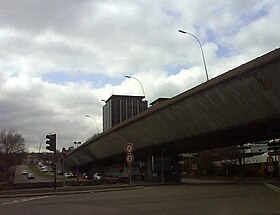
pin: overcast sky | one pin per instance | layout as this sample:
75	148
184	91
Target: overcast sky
60	58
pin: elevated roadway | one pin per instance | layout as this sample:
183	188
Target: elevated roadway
237	107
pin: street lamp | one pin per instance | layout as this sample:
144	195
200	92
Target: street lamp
77	143
127	76
95	122
202	53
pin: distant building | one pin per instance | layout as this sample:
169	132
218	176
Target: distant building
119	108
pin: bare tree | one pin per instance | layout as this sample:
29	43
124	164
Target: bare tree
11	142
11	150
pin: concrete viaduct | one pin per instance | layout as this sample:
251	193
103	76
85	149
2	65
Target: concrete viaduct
237	107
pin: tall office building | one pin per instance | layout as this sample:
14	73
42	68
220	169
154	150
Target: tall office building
119	108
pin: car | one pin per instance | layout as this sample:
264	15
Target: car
68	175
24	172
97	176
87	176
30	176
59	172
45	170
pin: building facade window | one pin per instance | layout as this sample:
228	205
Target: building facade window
119	108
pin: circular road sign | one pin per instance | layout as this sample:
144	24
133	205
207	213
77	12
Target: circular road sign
129	148
270	168
270	159
129	158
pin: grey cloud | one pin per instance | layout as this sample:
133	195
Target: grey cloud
115	38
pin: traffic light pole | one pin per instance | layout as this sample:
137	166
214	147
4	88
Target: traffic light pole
55	170
51	146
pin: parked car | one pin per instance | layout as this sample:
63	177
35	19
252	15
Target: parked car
68	175
30	176
87	176
59	172
97	176
24	172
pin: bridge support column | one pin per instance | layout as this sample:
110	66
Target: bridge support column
150	168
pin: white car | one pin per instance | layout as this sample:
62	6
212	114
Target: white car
97	176
30	176
24	172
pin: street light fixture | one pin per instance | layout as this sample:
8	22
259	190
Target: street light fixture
202	53
127	76
87	115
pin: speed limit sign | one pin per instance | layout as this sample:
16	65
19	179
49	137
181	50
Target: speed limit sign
129	158
129	148
270	160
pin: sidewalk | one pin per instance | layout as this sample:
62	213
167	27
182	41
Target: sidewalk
196	181
66	190
205	181
116	187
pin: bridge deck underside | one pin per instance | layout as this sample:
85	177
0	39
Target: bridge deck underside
239	106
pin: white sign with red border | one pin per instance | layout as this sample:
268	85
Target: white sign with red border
270	168
129	148
129	158
270	159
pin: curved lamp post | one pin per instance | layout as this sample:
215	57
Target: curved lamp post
202	53
87	115
127	76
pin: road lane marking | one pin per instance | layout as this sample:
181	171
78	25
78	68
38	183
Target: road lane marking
277	189
25	200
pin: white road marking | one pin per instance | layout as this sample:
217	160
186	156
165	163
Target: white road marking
26	200
277	189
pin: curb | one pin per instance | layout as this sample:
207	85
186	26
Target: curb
51	193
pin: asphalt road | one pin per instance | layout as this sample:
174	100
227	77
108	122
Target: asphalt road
19	178
180	199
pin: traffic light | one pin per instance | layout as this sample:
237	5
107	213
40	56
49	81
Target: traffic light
51	142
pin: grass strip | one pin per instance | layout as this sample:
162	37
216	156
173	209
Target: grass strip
38	172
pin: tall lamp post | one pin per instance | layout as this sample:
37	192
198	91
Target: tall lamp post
77	143
127	76
87	115
202	53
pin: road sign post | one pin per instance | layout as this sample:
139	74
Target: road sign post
274	150
129	158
